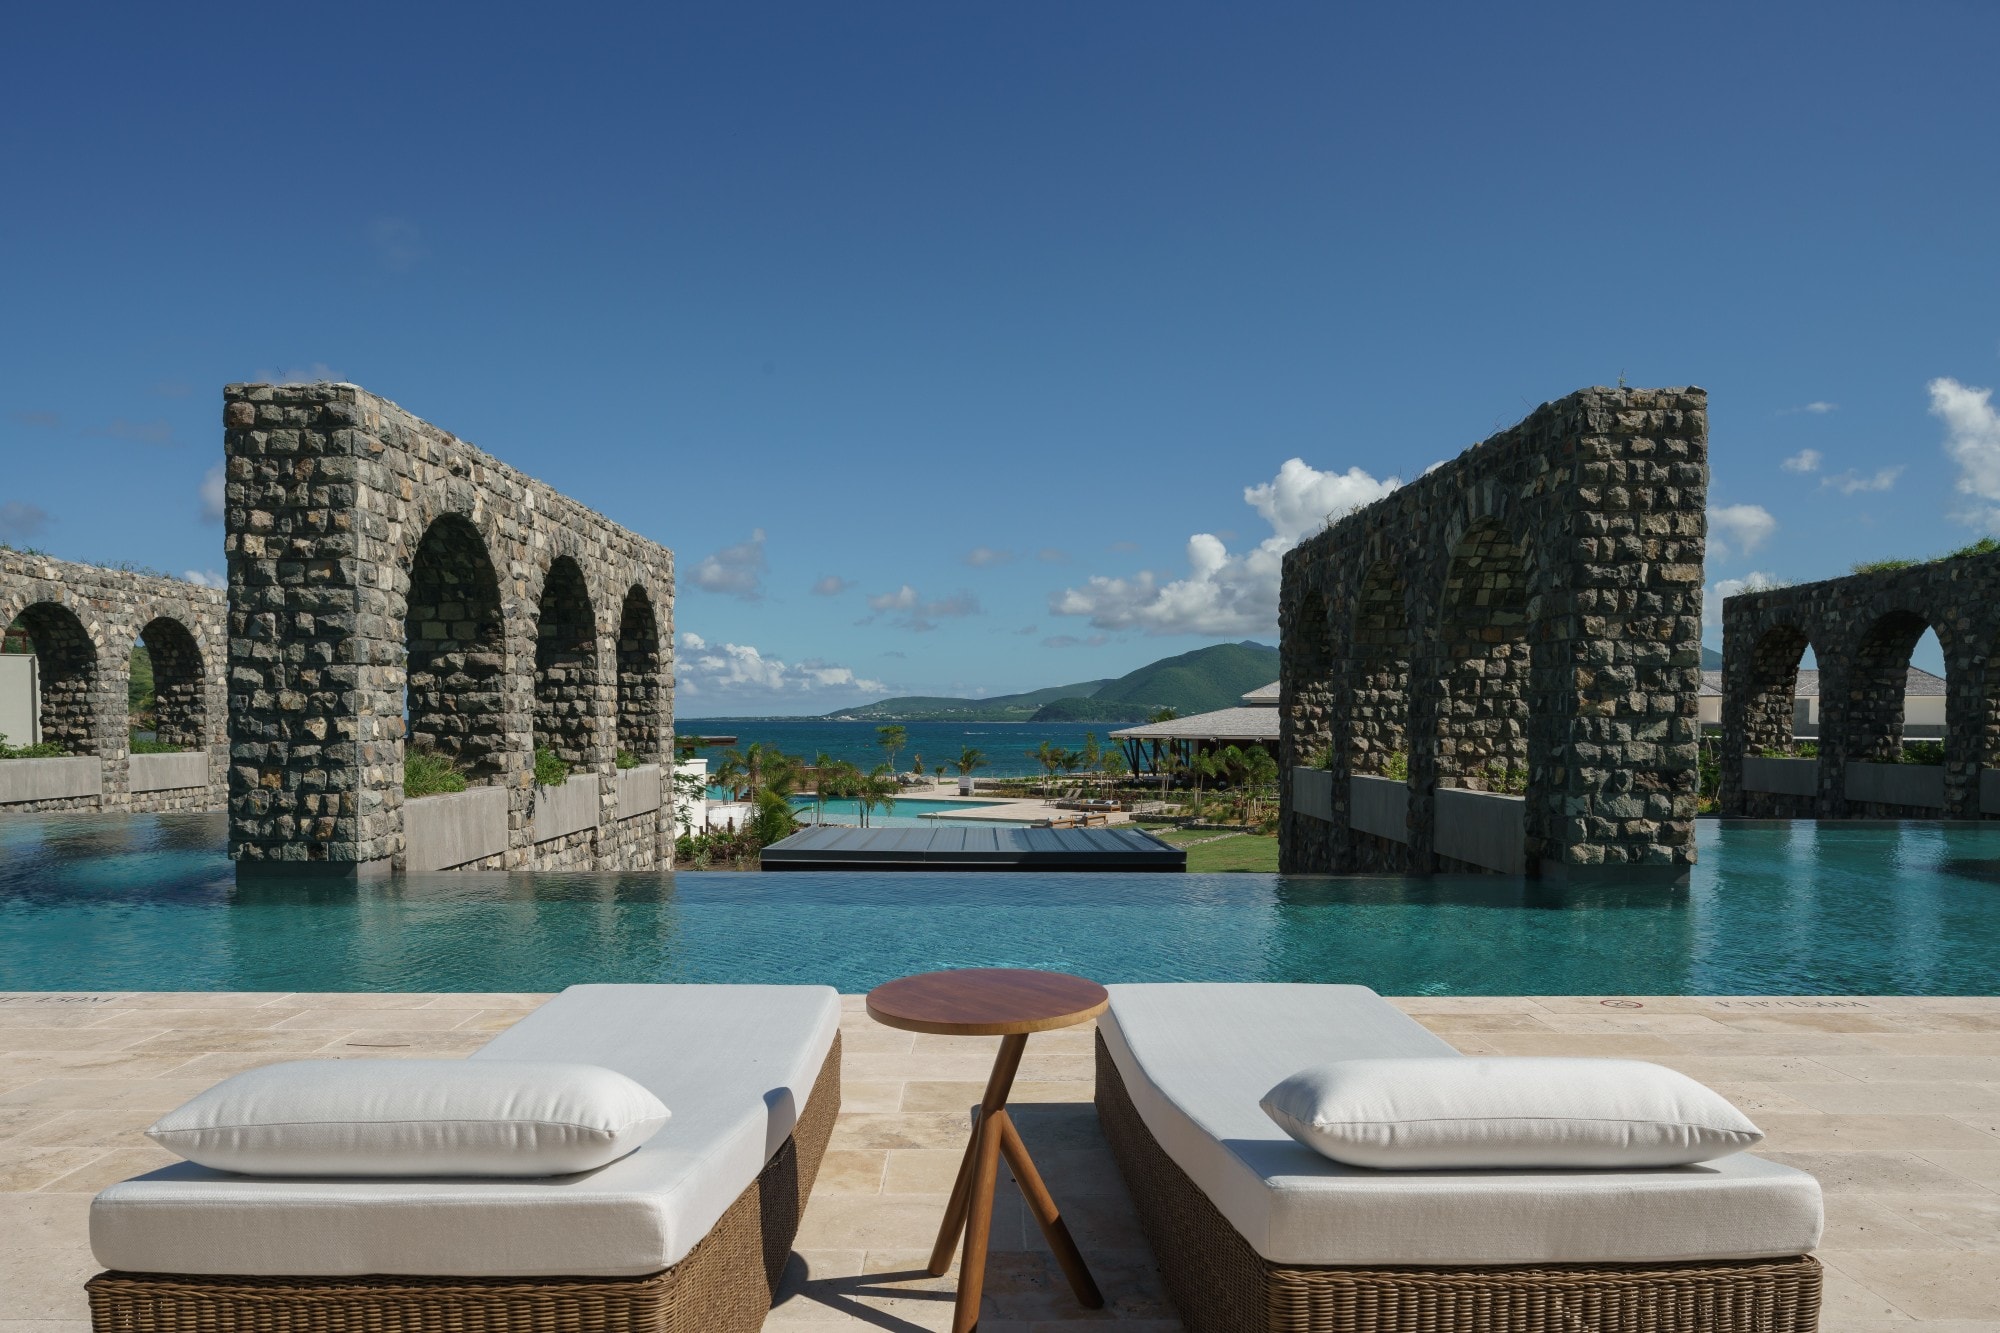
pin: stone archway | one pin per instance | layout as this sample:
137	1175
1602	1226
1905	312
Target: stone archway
455	651
68	666
566	666
641	678
1378	705
180	693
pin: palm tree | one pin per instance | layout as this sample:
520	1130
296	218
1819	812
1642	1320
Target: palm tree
970	759
892	738
1260	773
730	771
917	764
877	787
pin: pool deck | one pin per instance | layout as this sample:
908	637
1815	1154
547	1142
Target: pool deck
1893	1103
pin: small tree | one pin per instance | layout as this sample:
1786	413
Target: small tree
877	787
970	759
917	764
892	738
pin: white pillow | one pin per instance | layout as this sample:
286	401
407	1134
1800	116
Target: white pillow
1473	1112
413	1118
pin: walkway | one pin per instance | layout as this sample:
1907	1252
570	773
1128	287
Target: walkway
1893	1103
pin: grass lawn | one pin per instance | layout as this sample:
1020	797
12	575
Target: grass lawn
1245	851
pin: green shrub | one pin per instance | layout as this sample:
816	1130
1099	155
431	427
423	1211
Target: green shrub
1506	779
550	770
774	820
140	745
1883	566
428	773
1922	752
39	750
626	759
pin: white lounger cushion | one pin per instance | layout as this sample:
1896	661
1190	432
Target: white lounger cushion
1196	1058
1512	1112
736	1064
479	1118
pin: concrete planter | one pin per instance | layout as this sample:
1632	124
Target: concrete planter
165	772
1312	793
566	809
1482	828
1782	777
1380	806
50	779
1918	785
440	832
638	790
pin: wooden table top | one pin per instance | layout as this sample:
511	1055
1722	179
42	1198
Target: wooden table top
986	1002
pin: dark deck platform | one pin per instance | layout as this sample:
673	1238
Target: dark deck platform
962	848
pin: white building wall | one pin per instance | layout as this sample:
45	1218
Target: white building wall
20	699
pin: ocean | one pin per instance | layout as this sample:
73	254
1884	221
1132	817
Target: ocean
1006	744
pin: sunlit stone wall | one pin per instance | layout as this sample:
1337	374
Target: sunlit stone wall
1522	620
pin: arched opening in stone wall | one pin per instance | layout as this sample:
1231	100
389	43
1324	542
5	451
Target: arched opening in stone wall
640	678
168	701
1378	709
1778	715
1483	634
454	637
566	666
66	666
1883	693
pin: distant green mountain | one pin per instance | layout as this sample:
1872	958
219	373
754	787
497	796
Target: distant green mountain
1090	710
1197	682
940	708
1710	660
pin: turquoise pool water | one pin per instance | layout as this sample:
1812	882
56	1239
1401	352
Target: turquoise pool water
149	902
908	812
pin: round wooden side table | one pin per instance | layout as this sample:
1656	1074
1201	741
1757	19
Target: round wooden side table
1008	1003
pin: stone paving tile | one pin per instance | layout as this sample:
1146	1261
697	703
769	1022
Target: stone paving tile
1882	1098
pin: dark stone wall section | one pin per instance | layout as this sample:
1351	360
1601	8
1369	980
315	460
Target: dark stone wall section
1861	629
1534	604
371	552
84	621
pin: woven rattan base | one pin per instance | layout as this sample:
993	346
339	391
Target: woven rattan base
724	1285
1220	1284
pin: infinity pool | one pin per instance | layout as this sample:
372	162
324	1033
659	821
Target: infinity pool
150	903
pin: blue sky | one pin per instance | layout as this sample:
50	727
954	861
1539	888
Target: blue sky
964	348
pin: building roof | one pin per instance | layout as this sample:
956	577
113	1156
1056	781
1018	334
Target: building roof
1224	724
1922	684
1264	696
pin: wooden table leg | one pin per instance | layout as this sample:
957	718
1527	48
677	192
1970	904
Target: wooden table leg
1054	1231
998	1084
989	1134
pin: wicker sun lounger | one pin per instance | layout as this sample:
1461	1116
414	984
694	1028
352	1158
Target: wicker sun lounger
724	1283
1221	1282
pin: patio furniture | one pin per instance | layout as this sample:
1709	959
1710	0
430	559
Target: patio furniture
1009	1003
689	1232
1256	1233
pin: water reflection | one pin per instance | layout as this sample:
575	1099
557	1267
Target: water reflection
150	902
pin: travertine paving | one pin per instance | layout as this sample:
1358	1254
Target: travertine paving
1893	1103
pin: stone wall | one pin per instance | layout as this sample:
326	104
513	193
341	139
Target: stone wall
1861	630
371	552
1528	612
84	621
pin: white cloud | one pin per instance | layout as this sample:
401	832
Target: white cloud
1805	460
979	557
738	671
156	431
21	521
1050	555
1072	641
1745	527
213	495
1226	593
205	578
1851	482
735	571
1816	408
907	608
832	585
1972	439
1755	581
